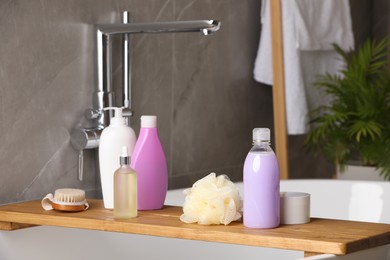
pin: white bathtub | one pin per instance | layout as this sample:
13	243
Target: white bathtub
364	201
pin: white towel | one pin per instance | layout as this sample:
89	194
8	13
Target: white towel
320	23
263	63
301	67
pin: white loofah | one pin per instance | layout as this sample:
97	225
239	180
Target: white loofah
212	200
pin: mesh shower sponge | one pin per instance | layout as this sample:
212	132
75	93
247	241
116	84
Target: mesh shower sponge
212	200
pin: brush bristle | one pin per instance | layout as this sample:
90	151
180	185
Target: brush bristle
69	195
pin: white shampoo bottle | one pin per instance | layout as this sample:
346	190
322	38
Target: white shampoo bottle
112	139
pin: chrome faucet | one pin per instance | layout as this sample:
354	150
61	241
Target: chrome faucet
88	138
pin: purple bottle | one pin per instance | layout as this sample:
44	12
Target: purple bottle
261	183
148	160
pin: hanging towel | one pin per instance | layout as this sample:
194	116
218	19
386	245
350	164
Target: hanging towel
303	64
263	64
320	23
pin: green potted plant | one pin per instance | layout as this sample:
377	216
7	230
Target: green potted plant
355	126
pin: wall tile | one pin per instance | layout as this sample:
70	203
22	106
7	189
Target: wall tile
212	104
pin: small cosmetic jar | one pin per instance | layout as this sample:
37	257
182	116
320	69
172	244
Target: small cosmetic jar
294	207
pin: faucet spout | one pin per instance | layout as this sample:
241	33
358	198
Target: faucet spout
105	32
203	26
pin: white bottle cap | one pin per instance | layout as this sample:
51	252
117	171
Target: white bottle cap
148	121
261	134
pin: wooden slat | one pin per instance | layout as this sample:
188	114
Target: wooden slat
318	236
9	226
278	92
307	254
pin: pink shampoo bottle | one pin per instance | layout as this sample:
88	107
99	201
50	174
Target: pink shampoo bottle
148	160
261	183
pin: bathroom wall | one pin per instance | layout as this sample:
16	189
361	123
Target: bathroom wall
200	88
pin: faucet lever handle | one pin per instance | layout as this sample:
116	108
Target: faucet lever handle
92	114
81	139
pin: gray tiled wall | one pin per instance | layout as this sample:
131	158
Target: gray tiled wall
201	89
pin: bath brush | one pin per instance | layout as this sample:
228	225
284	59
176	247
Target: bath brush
66	200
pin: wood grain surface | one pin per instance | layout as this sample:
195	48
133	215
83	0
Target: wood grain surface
318	236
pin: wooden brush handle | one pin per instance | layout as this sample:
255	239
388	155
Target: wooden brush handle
70	208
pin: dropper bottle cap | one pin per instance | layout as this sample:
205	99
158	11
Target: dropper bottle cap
118	119
124	159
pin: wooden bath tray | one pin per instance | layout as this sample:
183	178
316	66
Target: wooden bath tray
319	236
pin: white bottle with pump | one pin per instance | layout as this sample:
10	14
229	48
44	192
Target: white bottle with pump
112	139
